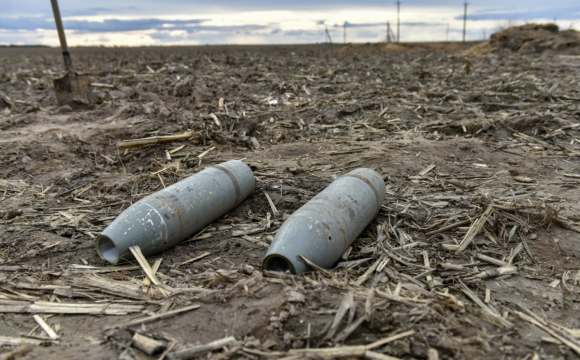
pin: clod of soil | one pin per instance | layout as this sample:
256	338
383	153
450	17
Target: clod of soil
529	38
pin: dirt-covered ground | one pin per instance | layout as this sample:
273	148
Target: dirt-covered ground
486	146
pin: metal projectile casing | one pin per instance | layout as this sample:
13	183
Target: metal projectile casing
324	228
163	219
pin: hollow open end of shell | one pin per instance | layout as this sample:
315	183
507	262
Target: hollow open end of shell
107	249
278	263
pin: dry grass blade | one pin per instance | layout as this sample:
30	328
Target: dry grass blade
272	206
487	311
146	280
41	307
395	298
514	253
49	331
15	341
490	260
106	285
168	350
367	275
474	230
267	354
352	351
196	350
571	344
203	154
346	304
500	271
153	318
371	355
152	140
107	269
346	332
448	227
195	259
315	267
136	251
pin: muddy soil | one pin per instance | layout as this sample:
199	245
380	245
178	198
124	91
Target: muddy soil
454	138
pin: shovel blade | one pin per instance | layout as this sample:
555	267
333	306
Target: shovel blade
74	90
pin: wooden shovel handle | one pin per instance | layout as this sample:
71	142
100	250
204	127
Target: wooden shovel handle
61	36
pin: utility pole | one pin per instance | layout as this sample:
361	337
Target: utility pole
464	20
447	37
345	32
328	39
390	34
398	21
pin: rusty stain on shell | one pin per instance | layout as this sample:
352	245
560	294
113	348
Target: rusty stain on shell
165	218
326	226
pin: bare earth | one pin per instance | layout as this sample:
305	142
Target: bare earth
455	139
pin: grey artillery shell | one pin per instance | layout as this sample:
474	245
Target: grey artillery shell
324	228
163	219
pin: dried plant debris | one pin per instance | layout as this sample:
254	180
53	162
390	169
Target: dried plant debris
529	38
473	254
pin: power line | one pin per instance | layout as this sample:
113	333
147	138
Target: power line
464	20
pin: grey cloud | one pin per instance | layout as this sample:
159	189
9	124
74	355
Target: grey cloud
157	8
559	13
304	33
351	25
200	31
109	25
239	28
422	24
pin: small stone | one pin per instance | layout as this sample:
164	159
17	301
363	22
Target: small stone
11	213
284	315
26	159
183	87
122	336
64	109
246	269
298	344
269	344
275	325
288	337
253	343
201	95
533	236
164	113
401	347
294	296
432	354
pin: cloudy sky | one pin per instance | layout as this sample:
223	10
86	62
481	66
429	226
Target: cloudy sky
180	22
